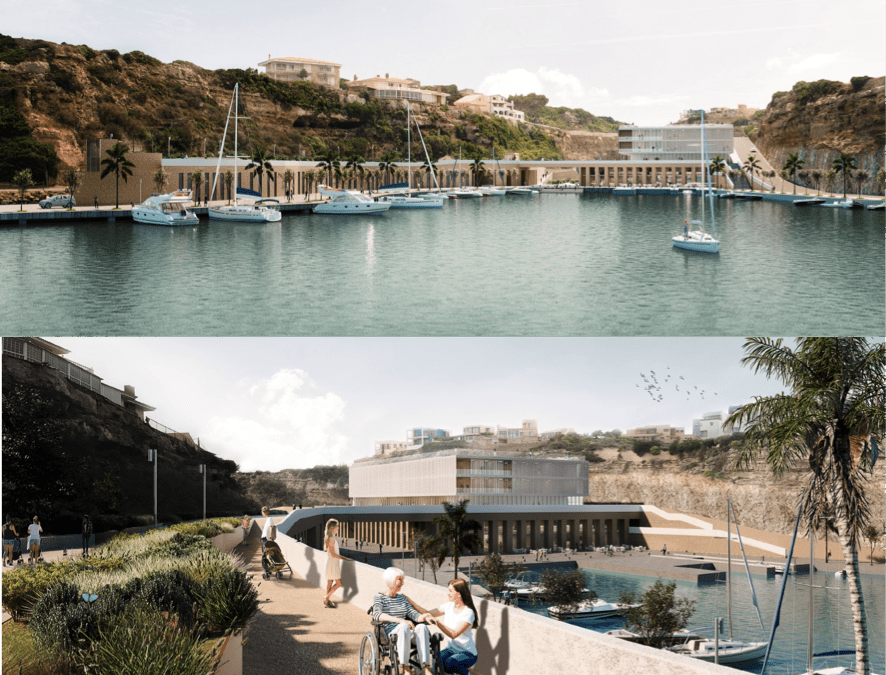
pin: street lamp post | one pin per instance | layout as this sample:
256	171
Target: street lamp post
204	472
168	146
152	456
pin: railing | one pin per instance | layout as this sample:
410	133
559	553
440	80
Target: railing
159	427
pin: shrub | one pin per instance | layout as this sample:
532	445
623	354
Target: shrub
227	601
859	82
564	588
61	619
146	642
180	545
172	591
87	52
22	587
655	450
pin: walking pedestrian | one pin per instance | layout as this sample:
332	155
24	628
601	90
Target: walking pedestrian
245	523
9	536
333	562
95	199
87	535
34	530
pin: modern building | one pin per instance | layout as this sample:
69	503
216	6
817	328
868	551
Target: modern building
422	435
675	143
527	432
388	87
37	350
661	433
291	69
495	105
719	115
387	447
483	477
477	431
712	424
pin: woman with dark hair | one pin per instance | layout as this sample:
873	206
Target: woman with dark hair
9	536
459	618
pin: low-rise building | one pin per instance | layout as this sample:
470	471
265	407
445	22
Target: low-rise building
388	447
495	105
421	435
528	431
713	424
674	143
388	87
476	431
292	69
482	477
660	433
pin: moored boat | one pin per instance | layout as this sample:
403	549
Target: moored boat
349	202
812	201
590	609
166	209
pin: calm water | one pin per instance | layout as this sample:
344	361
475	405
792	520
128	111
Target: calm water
545	265
833	617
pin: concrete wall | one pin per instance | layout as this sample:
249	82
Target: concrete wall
228	541
510	640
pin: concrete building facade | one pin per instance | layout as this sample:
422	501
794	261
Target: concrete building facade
388	87
482	477
388	447
663	433
675	143
291	69
713	424
495	105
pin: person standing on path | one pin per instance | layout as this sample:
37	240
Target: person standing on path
269	530
245	523
333	562
9	536
87	535
34	530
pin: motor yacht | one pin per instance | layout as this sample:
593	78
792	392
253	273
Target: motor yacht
590	609
406	202
349	202
167	209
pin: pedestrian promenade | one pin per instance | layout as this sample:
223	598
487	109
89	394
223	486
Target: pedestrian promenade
293	632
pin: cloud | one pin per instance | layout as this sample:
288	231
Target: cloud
562	89
289	422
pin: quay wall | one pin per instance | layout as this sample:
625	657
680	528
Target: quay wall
510	640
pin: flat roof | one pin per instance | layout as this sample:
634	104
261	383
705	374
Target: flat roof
294	59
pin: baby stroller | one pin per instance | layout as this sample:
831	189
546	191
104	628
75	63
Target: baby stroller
272	560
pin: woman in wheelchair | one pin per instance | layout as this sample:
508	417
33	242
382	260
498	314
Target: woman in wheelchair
459	617
400	619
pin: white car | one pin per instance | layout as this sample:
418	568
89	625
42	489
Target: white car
65	201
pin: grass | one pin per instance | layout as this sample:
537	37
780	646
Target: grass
21	656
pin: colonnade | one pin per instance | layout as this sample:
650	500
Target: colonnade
640	174
502	535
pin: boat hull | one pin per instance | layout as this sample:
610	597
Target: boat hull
152	218
352	209
753	652
690	244
266	216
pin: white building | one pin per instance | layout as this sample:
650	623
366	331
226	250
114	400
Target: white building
392	87
292	69
495	105
476	431
674	143
712	424
528	431
482	477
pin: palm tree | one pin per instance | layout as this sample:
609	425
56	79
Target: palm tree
752	166
844	164
816	178
160	179
429	166
477	169
793	164
457	531
117	163
881	176
330	162
228	178
830	422
288	182
355	163
22	180
259	164
197	182
718	165
386	166
861	177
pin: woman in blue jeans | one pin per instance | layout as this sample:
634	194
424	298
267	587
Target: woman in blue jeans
459	617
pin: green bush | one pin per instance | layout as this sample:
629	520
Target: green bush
22	587
146	642
227	601
61	620
655	451
859	82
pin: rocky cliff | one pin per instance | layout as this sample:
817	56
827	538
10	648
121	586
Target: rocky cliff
820	120
68	451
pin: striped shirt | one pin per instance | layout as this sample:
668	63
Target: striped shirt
397	606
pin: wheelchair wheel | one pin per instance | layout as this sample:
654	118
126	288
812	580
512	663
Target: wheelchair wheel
435	655
394	656
369	657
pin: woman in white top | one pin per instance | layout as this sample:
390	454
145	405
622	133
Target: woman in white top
333	562
34	530
459	618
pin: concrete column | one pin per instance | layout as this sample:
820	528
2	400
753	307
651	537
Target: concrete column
585	533
520	527
560	525
574	541
546	536
493	536
507	533
533	533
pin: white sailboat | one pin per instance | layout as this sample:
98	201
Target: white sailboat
698	240
249	213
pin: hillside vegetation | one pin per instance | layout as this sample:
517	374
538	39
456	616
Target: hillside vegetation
537	110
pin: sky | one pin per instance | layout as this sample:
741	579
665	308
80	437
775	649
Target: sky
641	63
276	403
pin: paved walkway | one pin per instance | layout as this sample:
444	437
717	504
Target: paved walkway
294	633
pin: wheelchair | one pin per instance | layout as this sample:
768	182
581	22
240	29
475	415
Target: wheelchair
378	653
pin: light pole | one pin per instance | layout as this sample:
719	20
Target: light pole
168	146
152	456
204	472
204	148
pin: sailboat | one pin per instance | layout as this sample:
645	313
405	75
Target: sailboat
254	213
698	240
727	651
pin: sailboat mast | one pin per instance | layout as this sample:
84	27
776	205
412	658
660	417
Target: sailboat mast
408	149
707	169
811	589
222	148
729	560
236	116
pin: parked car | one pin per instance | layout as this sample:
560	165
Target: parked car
65	201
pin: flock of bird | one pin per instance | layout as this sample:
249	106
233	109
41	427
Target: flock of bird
655	389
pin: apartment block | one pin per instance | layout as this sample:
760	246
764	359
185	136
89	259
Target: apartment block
291	69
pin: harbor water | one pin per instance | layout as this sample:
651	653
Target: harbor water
550	264
832	615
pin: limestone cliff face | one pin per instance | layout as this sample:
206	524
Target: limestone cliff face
822	119
760	500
